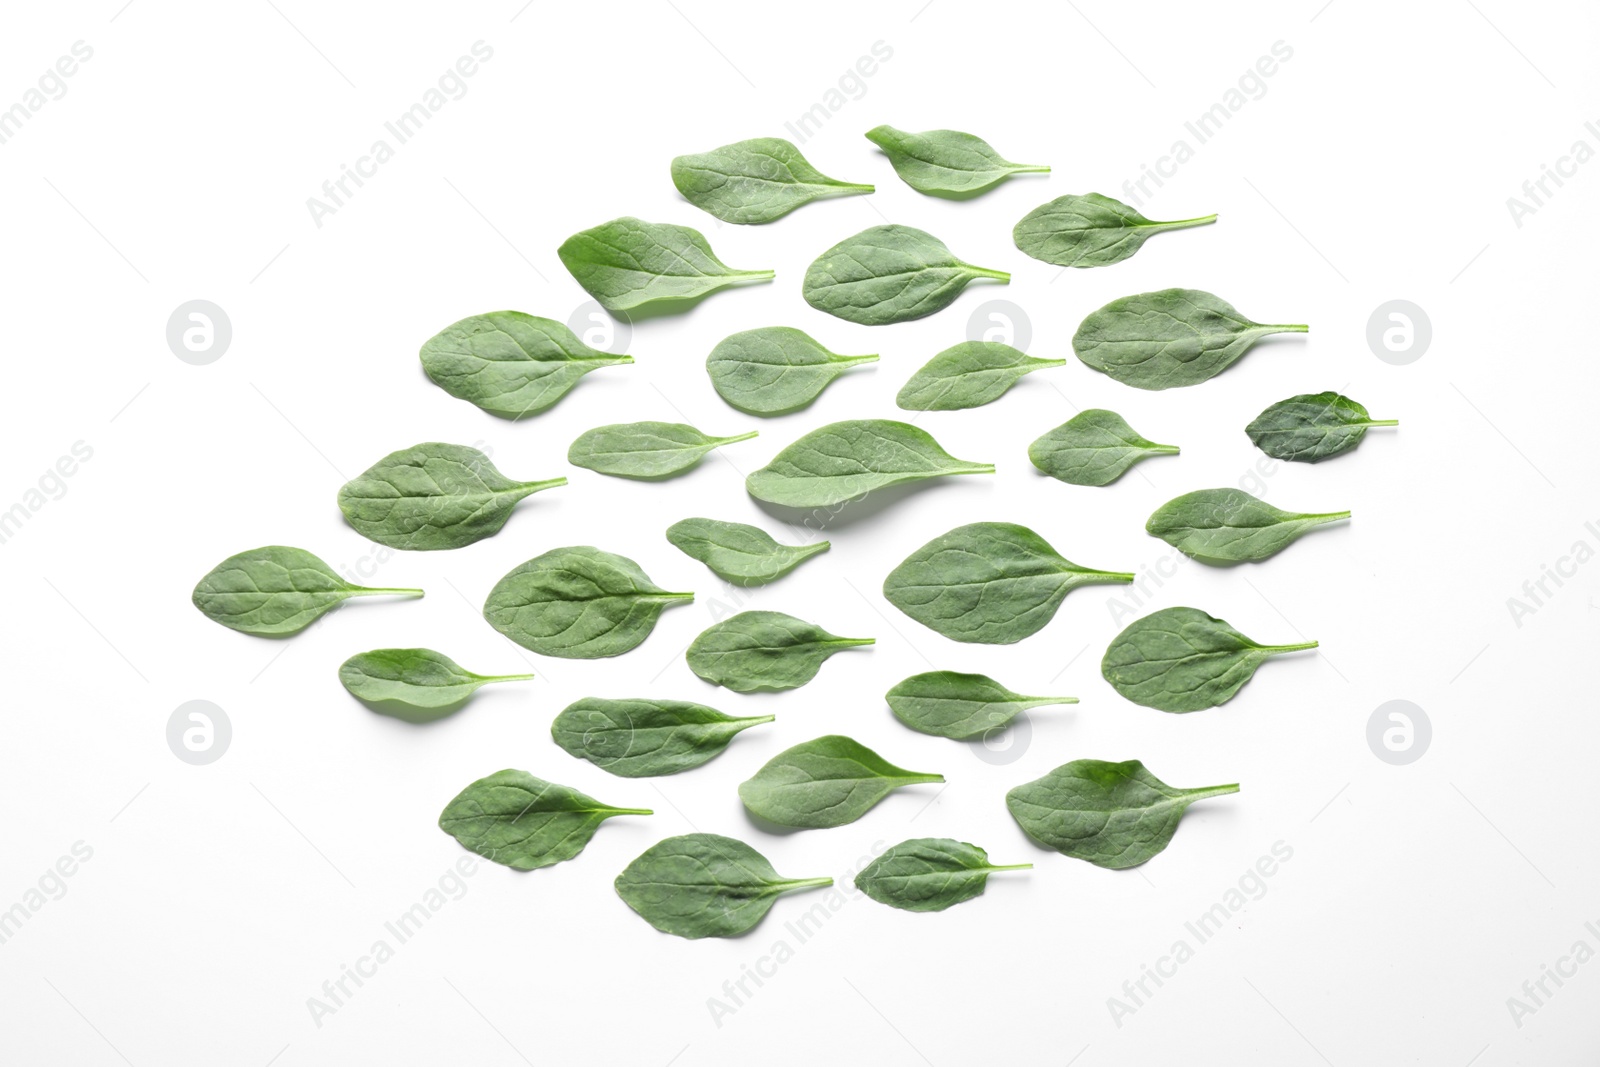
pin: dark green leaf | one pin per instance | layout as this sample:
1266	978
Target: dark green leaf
758	180
968	375
1114	815
1088	231
275	591
764	651
774	370
1230	526
1181	659
705	885
1094	447
404	681
847	460
929	874
1312	427
960	706
645	449
524	822
946	162
628	264
887	274
643	738
743	555
510	364
828	781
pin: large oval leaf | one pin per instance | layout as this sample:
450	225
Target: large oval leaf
414	683
1094	447
887	274
510	364
1181	659
645	450
754	181
275	591
704	885
960	706
1231	526
642	738
1089	231
828	781
847	460
1312	427
774	369
758	651
929	874
737	553
629	264
946	163
524	822
968	375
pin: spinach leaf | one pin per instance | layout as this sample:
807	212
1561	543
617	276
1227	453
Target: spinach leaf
1094	447
757	651
758	180
988	582
1181	659
645	449
1230	526
946	162
887	274
827	781
740	554
968	375
1312	427
1168	338
510	364
276	591
418	684
578	603
774	370
705	885
433	496
643	738
1088	231
960	706
628	264
524	822
929	874
847	460
1114	815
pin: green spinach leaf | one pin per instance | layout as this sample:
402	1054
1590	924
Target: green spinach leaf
1114	815
737	553
988	582
754	181
643	738
1094	447
929	874
1230	526
847	460
946	163
1181	659
827	781
510	364
705	885
887	274
578	603
761	651
1168	338
960	706
774	370
418	684
524	822
968	375
645	449
1312	427
1089	231
628	264
276	591
433	496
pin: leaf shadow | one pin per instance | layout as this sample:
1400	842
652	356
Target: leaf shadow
858	509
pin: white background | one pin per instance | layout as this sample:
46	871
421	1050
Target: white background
220	898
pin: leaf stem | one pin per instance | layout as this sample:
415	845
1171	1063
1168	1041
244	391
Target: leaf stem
627	811
362	590
504	677
984	272
852	642
529	488
1178	224
1301	647
1330	516
1029	168
1382	422
851	361
756	720
755	275
975	468
1012	867
923	779
672	596
1163	450
803	883
740	437
1210	791
1293	327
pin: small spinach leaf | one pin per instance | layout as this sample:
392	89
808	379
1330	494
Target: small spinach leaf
645	449
1230	526
847	460
1312	427
1094	447
418	684
705	885
754	181
737	553
827	781
929	874
757	651
1168	338
968	375
524	822
1089	231
628	264
1114	815
774	370
510	364
276	591
960	706
578	603
988	582
433	496
643	738
946	163
1181	659
887	274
